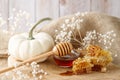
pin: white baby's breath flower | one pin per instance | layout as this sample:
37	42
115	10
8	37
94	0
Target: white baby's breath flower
82	14
17	20
63	26
73	19
68	30
77	14
67	21
40	77
104	40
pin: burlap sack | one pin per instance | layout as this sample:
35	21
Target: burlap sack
92	21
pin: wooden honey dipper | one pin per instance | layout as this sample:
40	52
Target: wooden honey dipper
60	49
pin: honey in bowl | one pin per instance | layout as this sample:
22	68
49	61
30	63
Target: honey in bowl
66	61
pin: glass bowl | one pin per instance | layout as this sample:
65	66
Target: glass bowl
66	61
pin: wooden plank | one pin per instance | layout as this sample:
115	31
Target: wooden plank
47	8
111	7
73	6
23	5
4	12
98	5
54	72
114	7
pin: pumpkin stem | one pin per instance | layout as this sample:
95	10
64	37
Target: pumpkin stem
31	31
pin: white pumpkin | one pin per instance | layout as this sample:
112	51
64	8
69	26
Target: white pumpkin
24	46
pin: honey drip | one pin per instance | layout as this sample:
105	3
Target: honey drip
67	73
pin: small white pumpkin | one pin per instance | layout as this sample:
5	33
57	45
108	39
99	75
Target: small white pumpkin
24	46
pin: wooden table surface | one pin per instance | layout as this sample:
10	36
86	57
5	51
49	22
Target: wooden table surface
54	71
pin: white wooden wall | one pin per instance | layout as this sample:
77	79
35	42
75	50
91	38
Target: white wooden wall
56	8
